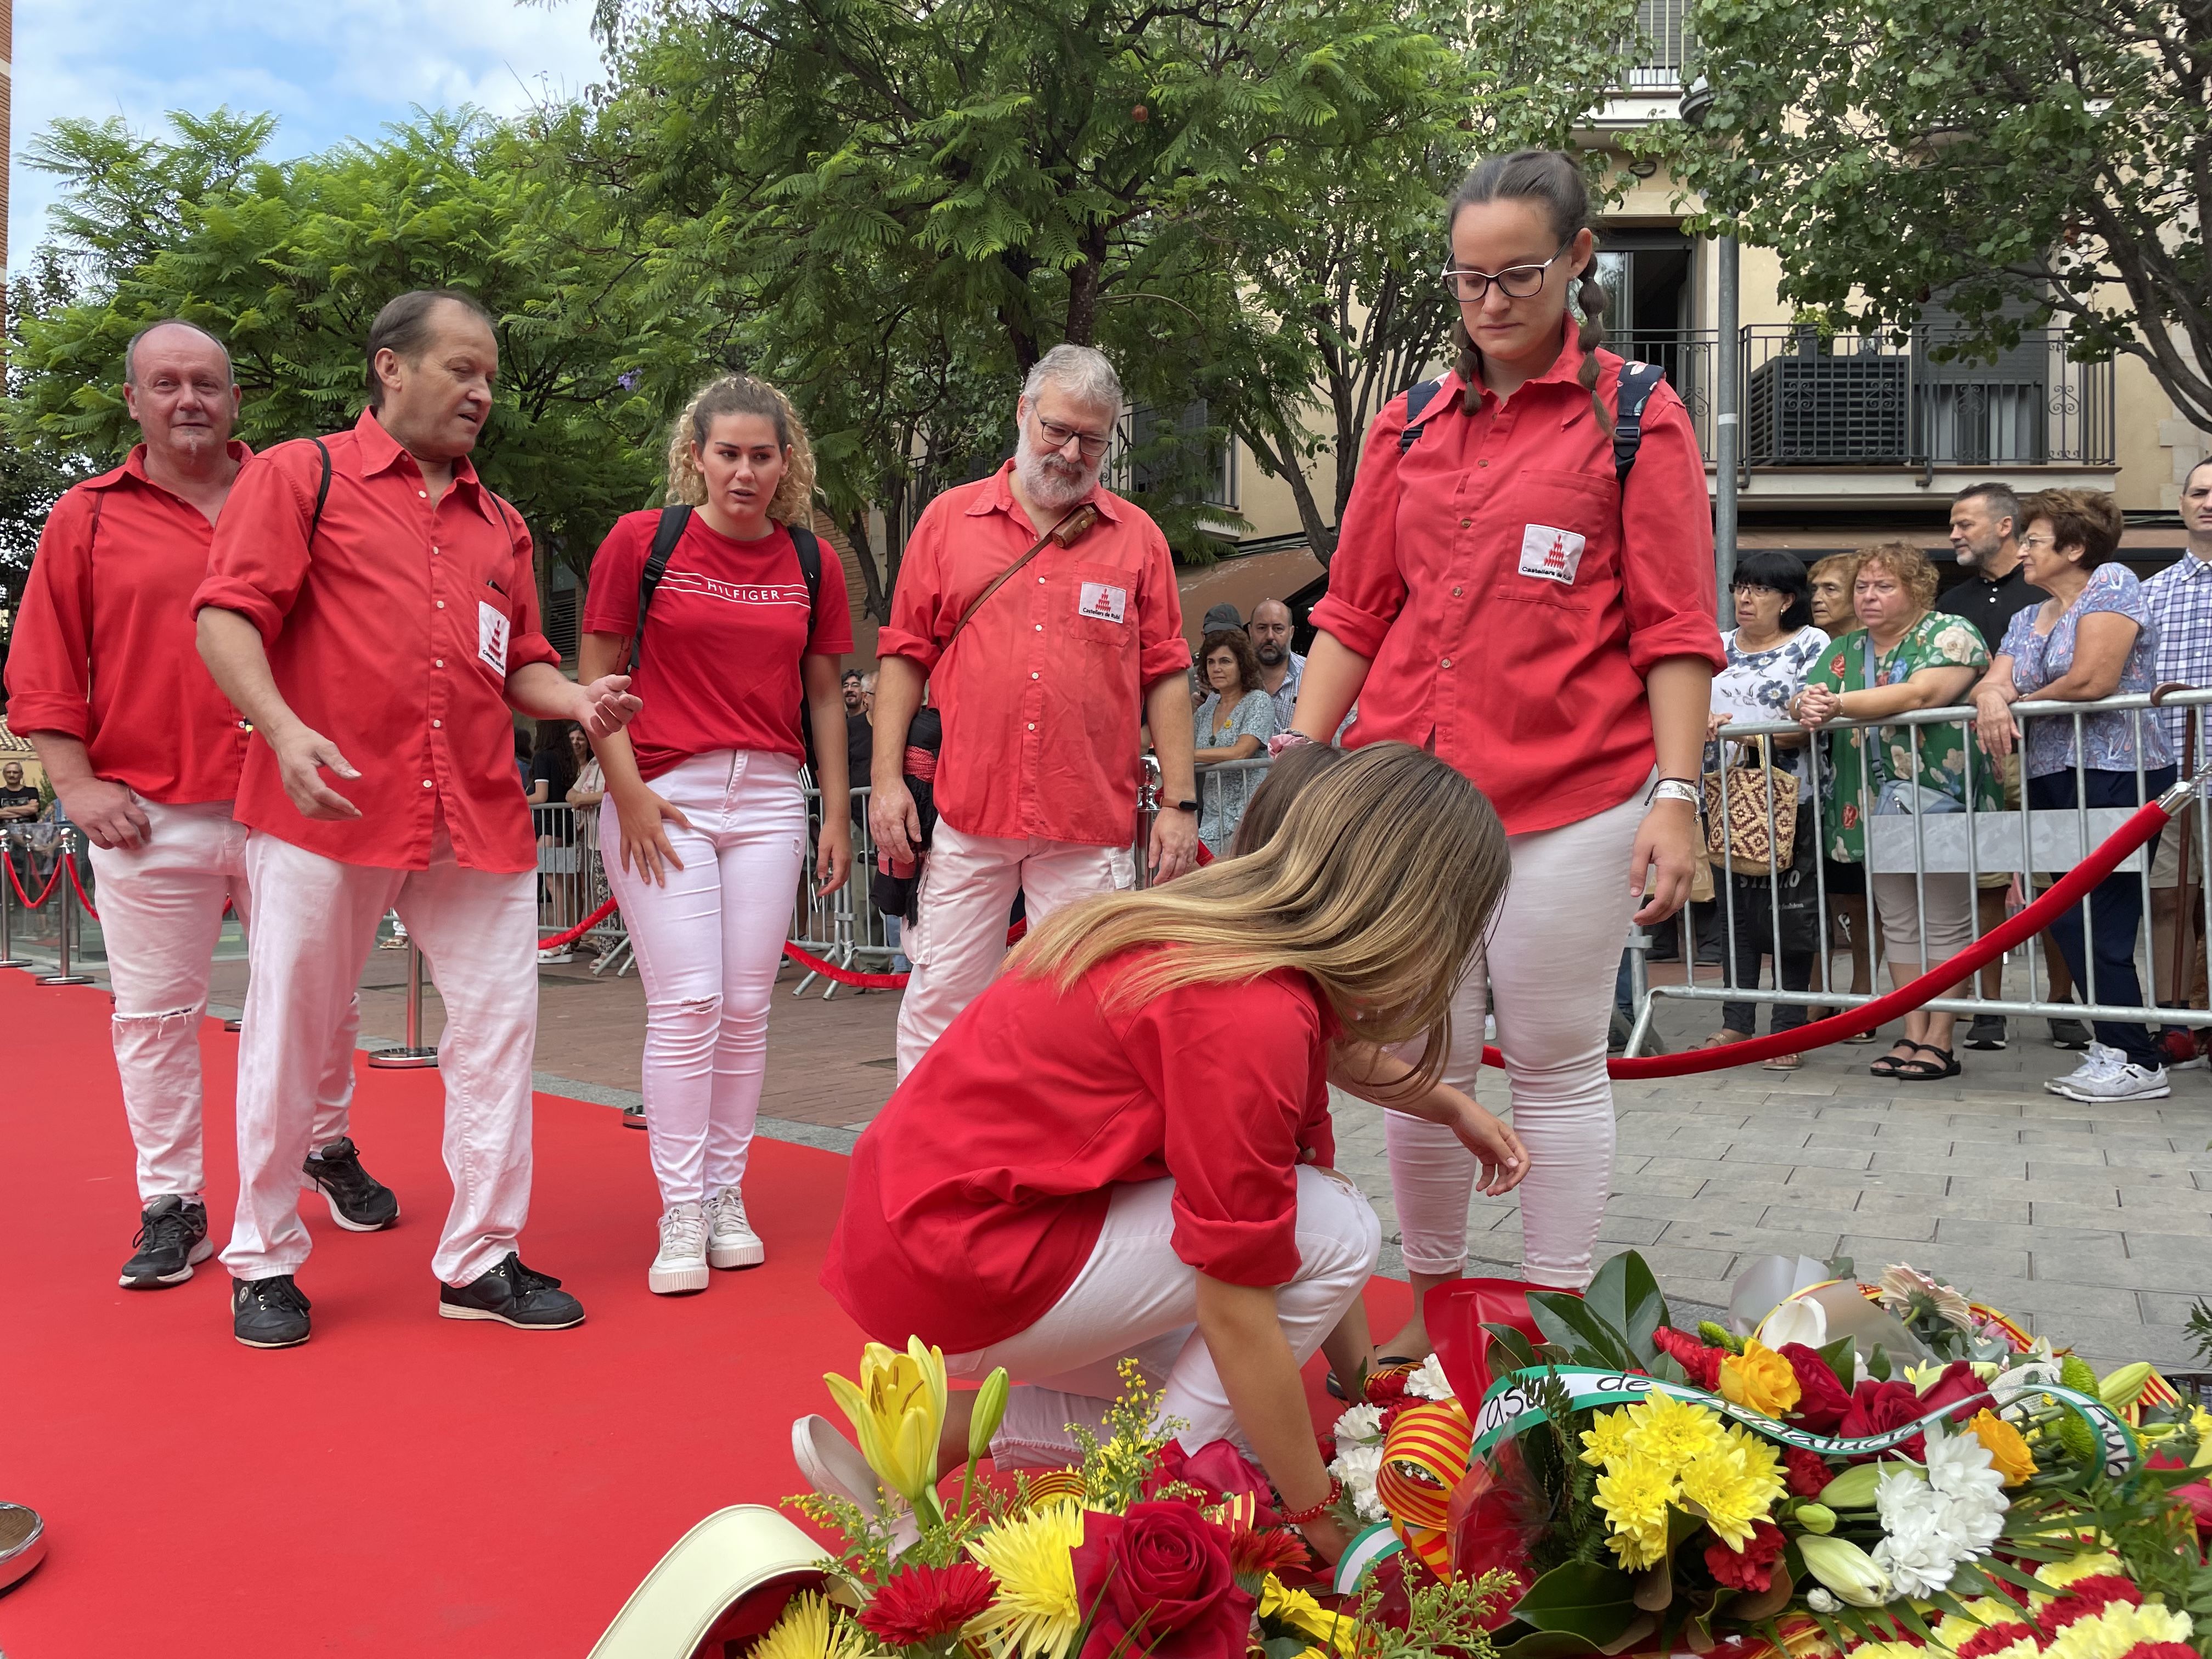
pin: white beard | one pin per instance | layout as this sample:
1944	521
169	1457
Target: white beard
1049	481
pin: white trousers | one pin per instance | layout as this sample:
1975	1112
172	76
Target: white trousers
1550	961
707	945
161	913
1136	1298
959	932
317	923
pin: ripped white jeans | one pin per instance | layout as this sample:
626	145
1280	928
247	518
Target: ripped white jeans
707	945
161	912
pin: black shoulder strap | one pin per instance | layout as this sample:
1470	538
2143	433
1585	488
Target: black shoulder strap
1637	382
1417	399
664	537
322	489
809	546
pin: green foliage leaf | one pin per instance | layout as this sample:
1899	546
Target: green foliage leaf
1624	1294
1581	1599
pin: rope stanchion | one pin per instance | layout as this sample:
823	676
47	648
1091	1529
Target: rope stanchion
16	882
70	863
2069	891
582	929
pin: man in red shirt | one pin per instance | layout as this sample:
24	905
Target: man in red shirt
144	753
373	609
1043	696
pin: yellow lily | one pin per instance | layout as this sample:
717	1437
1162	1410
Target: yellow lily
897	1411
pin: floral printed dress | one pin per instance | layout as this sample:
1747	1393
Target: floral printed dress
1936	641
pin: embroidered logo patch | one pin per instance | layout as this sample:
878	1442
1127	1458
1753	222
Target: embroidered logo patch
491	638
1551	554
1102	602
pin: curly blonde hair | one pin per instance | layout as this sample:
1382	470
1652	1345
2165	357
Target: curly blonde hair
741	394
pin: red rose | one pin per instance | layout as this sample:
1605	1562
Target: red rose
2198	1494
1821	1400
1877	1407
1958	1387
1702	1362
1808	1470
1158	1581
1753	1567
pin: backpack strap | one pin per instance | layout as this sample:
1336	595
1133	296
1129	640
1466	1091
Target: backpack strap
322	489
809	547
1637	382
664	537
1417	399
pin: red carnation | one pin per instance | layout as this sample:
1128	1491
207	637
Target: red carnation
1991	1637
1383	1387
1702	1362
919	1604
2161	1650
1821	1400
2085	1598
1808	1470
1158	1580
1753	1567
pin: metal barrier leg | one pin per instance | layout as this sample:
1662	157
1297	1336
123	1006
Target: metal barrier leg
414	1057
62	975
8	956
1148	806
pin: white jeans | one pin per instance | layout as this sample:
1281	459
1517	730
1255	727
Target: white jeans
707	945
1550	959
1135	1298
161	913
959	932
317	923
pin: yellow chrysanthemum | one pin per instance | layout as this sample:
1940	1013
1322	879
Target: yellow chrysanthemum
2109	1634
1762	1463
1036	1614
1607	1440
2009	1453
808	1629
1634	1491
1646	1546
1672	1432
1759	1378
1732	1490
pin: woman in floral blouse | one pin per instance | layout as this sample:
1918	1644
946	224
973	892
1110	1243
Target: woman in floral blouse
2092	638
1906	657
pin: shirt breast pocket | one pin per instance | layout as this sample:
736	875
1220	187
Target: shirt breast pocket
1557	535
1104	600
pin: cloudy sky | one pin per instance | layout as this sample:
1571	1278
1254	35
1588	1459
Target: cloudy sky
329	70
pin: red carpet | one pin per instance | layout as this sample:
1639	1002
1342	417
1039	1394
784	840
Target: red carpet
402	1484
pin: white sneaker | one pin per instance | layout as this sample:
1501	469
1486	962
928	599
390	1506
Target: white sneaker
730	1240
682	1264
2126	1081
2096	1060
564	954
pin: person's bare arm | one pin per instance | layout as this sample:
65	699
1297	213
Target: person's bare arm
1680	691
1371	1074
231	648
892	819
105	811
1243	749
2101	644
825	705
1174	833
1334	675
600	705
641	813
1926	688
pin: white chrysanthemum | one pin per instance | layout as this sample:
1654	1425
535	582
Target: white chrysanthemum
1929	1528
1357	1467
1429	1382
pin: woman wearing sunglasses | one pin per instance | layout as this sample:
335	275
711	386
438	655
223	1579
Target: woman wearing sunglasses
1497	597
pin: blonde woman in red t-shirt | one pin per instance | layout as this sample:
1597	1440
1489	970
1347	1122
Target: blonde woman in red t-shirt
703	829
1499	597
1122	1148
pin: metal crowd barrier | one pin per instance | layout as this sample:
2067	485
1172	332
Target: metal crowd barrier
36	853
2020	839
572	883
1224	790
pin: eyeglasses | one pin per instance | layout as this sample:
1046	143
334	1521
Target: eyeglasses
2027	542
1742	588
1516	282
1056	437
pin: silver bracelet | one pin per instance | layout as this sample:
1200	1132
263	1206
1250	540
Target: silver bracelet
1675	789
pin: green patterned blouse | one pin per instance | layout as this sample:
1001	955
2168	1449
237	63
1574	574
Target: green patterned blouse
1936	641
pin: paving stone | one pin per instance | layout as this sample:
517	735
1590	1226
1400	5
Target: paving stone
1746	1238
1976	1269
2110	1341
2012	1235
1803	1217
1932	1185
2130	1271
2159	1308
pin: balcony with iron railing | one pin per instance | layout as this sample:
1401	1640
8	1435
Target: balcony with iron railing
1666	41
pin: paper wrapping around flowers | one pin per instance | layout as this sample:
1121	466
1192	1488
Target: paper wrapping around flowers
1424	1454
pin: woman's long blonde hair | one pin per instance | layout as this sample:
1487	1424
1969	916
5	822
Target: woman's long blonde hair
1380	884
741	394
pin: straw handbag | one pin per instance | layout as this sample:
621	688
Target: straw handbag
1761	811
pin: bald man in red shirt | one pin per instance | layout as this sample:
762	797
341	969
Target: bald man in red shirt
145	753
373	608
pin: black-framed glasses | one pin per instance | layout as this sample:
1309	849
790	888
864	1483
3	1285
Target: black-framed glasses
1056	437
1753	588
1516	282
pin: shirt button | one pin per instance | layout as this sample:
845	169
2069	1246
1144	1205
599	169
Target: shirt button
1447	662
1032	725
1040	628
423	493
1466	524
1456	591
1039	582
426	783
440	603
437	662
1482	463
1032	676
435	725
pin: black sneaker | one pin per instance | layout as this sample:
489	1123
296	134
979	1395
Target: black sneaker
1988	1031
268	1313
2068	1034
359	1202
513	1295
171	1236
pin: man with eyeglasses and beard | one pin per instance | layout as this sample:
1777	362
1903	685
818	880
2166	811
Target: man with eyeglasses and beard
1043	693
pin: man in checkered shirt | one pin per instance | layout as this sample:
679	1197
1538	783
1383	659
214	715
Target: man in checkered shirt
2180	600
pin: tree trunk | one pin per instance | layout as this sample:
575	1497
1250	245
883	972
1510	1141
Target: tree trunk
874	601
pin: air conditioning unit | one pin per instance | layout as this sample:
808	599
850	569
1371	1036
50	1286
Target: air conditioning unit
1824	411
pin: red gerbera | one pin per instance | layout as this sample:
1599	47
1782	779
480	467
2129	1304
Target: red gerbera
1273	1549
2084	1598
922	1603
1808	1470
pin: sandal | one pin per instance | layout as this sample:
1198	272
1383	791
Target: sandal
1784	1063
1887	1065
1383	1363
1928	1071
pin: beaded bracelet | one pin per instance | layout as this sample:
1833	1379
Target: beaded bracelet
1301	1517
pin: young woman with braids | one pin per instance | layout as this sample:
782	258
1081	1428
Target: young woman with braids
703	829
1498	597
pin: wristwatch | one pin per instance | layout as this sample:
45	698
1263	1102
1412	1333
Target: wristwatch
1181	805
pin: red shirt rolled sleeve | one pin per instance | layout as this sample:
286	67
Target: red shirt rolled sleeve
103	647
393	623
978	1194
1043	695
1511	596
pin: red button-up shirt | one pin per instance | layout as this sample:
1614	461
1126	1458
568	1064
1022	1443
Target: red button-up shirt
103	648
1512	597
1043	694
392	635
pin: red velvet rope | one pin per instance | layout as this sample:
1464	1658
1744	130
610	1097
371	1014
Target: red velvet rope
582	929
16	882
70	860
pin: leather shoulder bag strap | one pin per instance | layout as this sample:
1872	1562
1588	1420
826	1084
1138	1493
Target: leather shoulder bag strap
1072	524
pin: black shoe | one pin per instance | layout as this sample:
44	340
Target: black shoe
634	1117
2068	1034
514	1296
1988	1031
359	1202
268	1313
171	1236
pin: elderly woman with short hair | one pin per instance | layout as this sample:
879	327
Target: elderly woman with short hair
1232	722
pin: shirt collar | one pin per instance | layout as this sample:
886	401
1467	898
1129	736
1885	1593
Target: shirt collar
1565	370
2191	566
379	451
999	498
135	466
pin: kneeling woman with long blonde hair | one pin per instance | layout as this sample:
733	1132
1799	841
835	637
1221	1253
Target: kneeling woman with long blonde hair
1122	1148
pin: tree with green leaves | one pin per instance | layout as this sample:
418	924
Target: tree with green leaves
2031	162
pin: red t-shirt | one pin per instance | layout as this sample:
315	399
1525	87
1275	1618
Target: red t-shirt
977	1194
720	669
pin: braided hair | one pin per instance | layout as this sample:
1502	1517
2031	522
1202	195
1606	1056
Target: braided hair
1554	179
741	394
